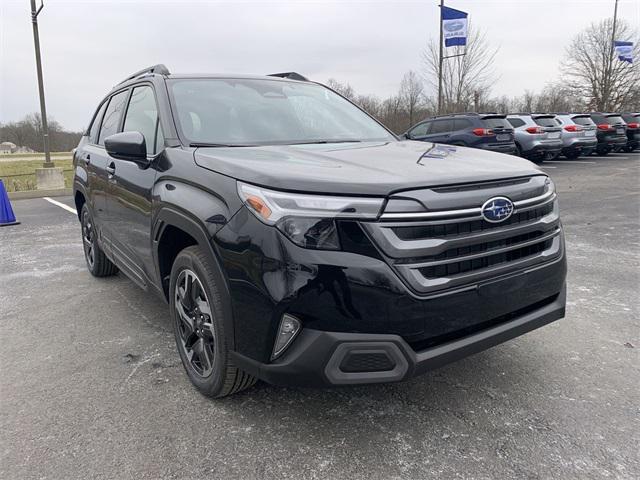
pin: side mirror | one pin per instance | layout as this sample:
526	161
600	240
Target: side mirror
130	146
406	135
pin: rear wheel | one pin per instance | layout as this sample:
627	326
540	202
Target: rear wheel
199	326
97	262
518	150
602	151
572	155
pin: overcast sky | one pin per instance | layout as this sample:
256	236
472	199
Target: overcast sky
88	46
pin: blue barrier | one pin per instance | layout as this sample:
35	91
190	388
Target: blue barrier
6	212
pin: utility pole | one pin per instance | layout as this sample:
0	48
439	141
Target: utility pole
43	109
440	60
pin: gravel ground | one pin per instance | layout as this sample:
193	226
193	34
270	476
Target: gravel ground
91	385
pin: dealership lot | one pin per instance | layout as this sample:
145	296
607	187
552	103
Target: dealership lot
91	385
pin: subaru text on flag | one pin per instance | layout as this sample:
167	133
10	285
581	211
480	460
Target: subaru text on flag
298	241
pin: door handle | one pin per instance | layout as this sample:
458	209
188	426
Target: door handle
87	159
111	169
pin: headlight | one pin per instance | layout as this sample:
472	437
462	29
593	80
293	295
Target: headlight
549	185
307	220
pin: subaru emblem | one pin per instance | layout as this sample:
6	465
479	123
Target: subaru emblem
497	209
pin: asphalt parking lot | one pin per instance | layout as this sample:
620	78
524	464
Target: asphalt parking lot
91	385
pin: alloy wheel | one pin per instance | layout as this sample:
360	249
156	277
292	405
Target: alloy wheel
88	239
194	322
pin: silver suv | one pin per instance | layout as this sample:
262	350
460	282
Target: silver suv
537	135
578	134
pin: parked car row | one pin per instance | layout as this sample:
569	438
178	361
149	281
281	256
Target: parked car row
535	136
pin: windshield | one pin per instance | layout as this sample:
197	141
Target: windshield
239	112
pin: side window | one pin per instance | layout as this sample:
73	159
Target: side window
142	116
461	124
112	116
93	132
516	122
442	126
420	130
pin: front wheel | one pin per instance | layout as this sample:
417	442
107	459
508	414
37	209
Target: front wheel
199	326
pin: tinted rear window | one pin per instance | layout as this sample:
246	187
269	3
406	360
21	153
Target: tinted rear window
516	122
584	121
546	121
496	122
614	120
631	118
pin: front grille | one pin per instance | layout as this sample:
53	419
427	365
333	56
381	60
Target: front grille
449	248
462	227
483	262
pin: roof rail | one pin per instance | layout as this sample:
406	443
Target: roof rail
160	69
290	76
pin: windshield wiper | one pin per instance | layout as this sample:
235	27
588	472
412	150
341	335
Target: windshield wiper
221	145
326	141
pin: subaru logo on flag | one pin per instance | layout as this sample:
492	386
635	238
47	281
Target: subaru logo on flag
454	26
497	209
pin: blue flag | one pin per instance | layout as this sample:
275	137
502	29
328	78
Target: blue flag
624	50
454	27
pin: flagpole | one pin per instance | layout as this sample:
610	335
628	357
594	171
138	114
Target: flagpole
613	34
441	60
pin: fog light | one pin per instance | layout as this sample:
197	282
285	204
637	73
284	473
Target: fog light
289	328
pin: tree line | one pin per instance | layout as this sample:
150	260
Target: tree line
28	133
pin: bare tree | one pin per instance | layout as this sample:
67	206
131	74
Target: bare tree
464	78
343	89
411	94
592	69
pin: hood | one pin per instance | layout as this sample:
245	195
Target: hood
361	168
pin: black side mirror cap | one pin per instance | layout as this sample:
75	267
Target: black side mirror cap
129	146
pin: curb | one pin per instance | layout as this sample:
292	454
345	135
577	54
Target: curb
62	192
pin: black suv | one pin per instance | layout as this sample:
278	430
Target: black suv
489	131
300	242
611	132
633	130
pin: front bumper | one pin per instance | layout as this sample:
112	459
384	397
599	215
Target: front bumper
319	358
355	296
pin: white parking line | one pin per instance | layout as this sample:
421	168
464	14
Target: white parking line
568	161
548	166
611	157
61	205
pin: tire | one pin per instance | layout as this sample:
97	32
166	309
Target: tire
572	155
97	262
199	321
603	152
518	151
